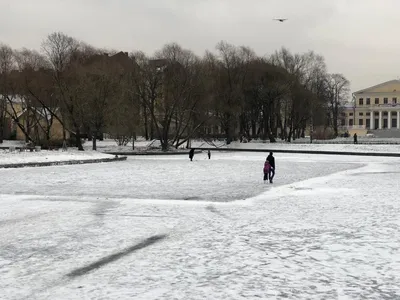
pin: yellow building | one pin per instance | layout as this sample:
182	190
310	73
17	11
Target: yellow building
40	121
374	108
35	120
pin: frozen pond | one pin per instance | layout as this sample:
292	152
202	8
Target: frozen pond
226	177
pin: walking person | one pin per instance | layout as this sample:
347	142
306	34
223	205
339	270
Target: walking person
209	154
266	170
191	154
271	160
355	138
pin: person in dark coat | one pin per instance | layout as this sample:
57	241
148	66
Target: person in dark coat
271	160
191	154
209	154
355	138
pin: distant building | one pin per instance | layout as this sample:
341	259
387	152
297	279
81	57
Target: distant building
374	108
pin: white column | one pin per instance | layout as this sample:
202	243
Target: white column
398	120
372	120
389	119
380	119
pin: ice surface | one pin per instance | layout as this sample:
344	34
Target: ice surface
225	177
328	228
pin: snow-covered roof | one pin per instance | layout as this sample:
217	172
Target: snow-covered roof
43	112
14	99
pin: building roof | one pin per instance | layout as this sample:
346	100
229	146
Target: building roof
43	112
378	85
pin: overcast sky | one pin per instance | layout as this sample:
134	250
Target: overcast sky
359	38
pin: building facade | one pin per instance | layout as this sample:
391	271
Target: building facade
375	108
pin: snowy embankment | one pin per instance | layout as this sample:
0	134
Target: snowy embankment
16	157
384	148
142	145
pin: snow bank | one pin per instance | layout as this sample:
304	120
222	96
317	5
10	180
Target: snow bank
17	157
314	147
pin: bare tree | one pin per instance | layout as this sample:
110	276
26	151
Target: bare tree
65	54
167	87
307	71
338	88
103	80
231	71
36	88
6	66
147	84
183	94
173	96
13	102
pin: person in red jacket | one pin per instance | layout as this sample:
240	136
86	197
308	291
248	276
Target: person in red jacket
267	170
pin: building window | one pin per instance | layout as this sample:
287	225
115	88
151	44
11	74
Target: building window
368	114
350	122
368	101
343	122
360	114
361	101
360	121
385	100
350	114
394	100
385	113
376	100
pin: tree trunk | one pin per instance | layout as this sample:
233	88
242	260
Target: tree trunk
94	142
164	140
152	121
253	129
266	133
78	139
227	128
27	130
146	125
335	126
1	129
289	139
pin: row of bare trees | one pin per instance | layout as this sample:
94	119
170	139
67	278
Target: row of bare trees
172	96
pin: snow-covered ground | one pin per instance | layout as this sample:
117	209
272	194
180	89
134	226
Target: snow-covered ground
328	228
316	147
339	144
17	157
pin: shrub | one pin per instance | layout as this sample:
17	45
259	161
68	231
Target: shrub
323	134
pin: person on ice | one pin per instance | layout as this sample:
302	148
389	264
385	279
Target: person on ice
267	170
191	154
271	160
209	154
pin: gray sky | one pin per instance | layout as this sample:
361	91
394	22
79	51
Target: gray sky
358	38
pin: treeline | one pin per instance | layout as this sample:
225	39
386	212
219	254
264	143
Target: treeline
173	95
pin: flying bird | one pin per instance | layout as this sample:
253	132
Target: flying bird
280	20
